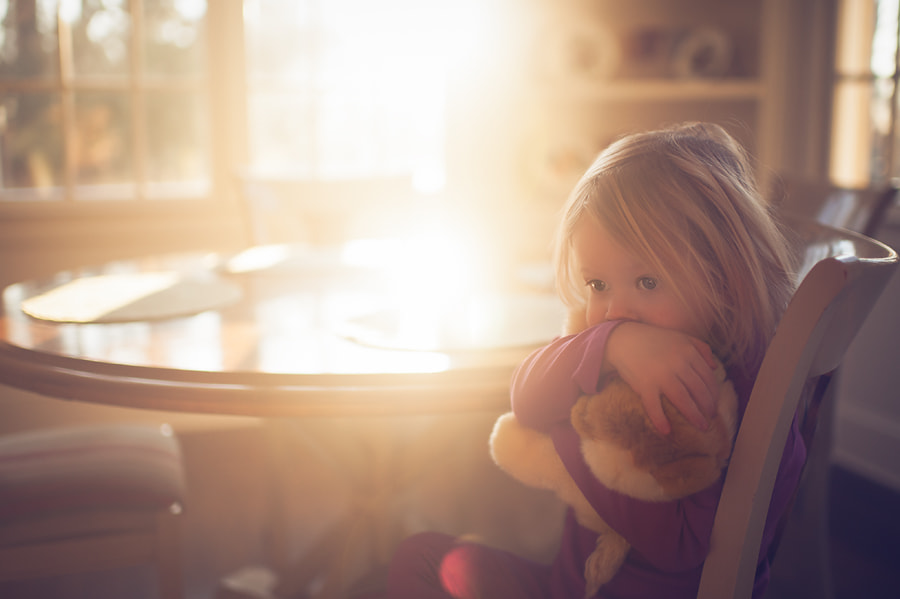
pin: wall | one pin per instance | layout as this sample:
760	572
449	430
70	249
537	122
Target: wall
867	411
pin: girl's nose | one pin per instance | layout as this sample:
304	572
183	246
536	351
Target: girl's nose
619	308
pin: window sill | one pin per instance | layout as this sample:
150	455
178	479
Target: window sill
102	223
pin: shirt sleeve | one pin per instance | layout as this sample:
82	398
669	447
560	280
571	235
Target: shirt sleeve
548	382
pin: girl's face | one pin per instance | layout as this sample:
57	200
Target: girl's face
620	286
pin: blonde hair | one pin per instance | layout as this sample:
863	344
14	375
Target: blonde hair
685	201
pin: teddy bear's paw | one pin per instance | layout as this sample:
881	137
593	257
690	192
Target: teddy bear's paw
527	455
614	466
585	514
603	563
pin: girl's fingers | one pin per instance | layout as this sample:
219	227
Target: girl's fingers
706	352
653	406
665	363
704	389
701	382
687	404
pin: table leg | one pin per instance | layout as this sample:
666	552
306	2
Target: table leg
382	459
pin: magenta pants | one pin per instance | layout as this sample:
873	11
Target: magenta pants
433	565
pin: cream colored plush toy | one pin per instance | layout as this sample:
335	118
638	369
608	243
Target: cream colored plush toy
626	453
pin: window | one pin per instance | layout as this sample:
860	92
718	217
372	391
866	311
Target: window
349	88
104	99
865	132
123	99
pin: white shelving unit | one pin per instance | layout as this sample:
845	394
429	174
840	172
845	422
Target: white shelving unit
603	69
738	89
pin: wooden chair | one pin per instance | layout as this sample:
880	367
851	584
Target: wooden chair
803	570
88	499
843	275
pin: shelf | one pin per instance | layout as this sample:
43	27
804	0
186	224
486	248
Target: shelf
657	89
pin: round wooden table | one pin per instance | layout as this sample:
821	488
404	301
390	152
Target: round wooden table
290	331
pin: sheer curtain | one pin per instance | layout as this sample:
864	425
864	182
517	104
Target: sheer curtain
343	89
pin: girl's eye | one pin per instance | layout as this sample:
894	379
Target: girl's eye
647	283
597	285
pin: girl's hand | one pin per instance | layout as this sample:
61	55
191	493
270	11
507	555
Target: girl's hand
655	361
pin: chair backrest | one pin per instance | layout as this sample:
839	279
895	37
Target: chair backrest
843	274
288	209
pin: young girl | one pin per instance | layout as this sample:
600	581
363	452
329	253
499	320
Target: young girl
667	255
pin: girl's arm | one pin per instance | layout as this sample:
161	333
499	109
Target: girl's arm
658	362
548	383
672	535
652	360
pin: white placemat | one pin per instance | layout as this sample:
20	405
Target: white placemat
130	297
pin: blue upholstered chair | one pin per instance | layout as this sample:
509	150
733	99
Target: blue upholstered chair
86	499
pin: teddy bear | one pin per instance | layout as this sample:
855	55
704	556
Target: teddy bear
625	452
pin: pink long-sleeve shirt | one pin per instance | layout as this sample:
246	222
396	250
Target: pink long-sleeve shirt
669	540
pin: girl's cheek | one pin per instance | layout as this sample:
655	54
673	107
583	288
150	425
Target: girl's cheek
576	321
594	315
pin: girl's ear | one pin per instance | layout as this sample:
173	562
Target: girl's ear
576	320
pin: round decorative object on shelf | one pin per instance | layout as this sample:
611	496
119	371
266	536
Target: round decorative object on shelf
703	52
580	51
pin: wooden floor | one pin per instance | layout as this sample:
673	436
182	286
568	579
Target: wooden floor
225	521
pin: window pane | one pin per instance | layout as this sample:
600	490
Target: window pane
281	132
101	30
175	37
281	40
895	156
347	88
866	38
101	143
882	128
862	132
28	46
863	149
884	40
30	141
130	115
177	135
